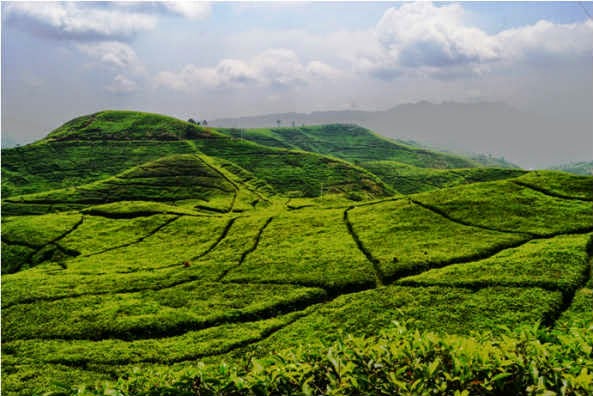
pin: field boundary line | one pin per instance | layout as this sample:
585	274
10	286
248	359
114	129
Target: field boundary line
445	215
550	193
379	276
248	251
142	238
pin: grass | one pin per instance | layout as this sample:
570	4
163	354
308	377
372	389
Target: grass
560	263
166	179
350	142
509	207
14	257
153	313
189	346
409	179
182	239
37	230
49	165
578	314
559	184
70	157
441	309
47	283
406	238
128	125
295	173
308	247
133	209
110	233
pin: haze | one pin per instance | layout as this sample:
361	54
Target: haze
226	60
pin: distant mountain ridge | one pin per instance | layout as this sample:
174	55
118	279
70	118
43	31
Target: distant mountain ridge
493	129
584	168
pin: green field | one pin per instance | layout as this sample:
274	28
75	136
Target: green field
174	259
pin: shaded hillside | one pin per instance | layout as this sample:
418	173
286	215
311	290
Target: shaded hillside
168	179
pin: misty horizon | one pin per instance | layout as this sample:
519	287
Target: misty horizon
238	60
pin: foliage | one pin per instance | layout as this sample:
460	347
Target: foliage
400	361
406	238
408	179
560	184
309	247
579	313
153	313
48	165
352	143
557	263
506	206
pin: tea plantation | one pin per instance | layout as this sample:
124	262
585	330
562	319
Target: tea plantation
142	255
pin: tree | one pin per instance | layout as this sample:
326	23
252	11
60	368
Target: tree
278	122
192	121
205	123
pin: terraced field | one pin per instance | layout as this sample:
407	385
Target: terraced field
199	258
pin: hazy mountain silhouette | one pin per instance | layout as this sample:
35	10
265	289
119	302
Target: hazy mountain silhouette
529	139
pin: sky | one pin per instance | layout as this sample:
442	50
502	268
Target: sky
229	59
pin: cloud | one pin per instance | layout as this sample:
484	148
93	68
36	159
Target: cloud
188	9
420	34
78	21
114	55
546	39
420	39
122	85
320	70
278	68
120	59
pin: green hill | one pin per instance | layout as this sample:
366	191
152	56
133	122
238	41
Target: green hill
352	143
182	258
406	168
97	147
409	179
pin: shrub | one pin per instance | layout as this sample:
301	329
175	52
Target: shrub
399	362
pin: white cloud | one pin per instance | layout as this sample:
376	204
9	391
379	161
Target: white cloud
420	34
122	85
271	68
547	39
115	55
79	20
317	69
120	59
423	40
189	9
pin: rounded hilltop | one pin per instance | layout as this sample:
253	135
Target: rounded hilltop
128	125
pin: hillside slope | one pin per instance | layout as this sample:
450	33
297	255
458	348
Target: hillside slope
352	143
102	145
93	294
406	168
